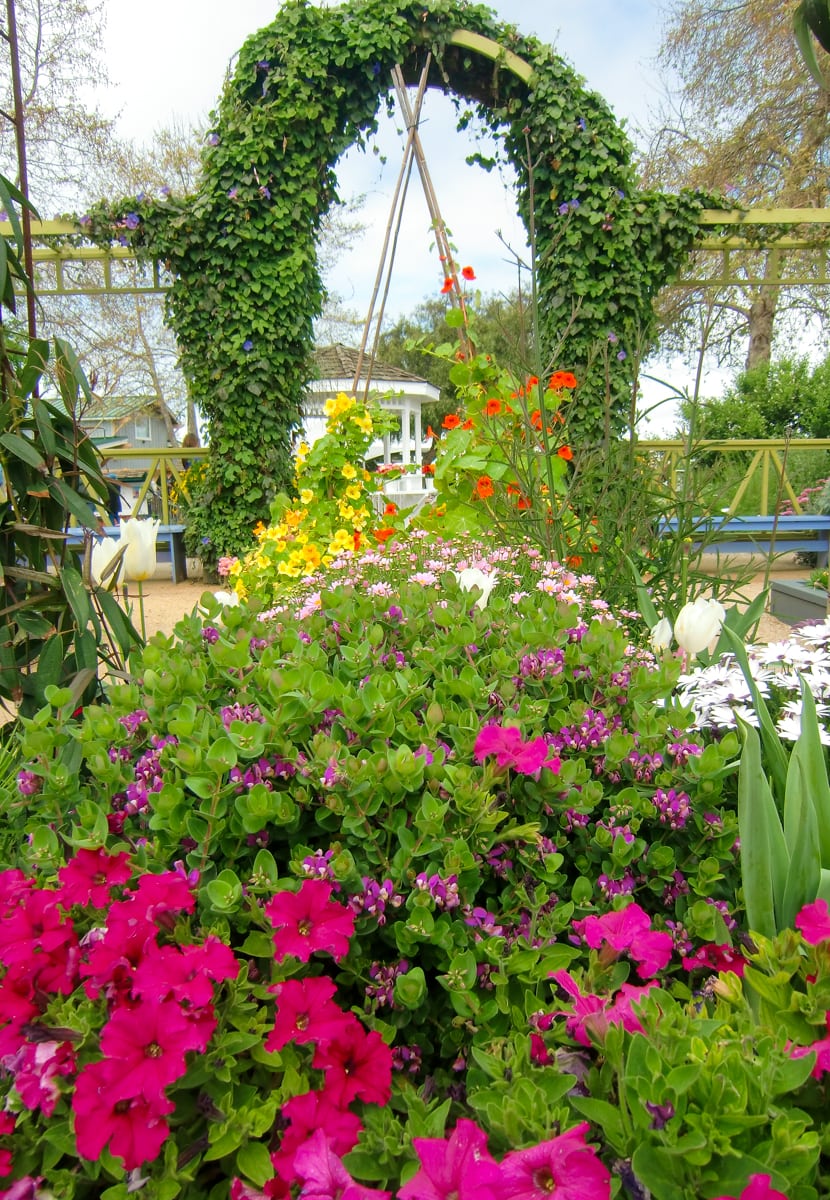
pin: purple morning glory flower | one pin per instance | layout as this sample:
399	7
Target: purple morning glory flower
247	345
213	139
563	210
140	197
581	124
265	192
233	193
164	191
85	220
132	220
612	338
621	355
263	65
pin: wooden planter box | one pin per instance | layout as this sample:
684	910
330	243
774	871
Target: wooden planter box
793	602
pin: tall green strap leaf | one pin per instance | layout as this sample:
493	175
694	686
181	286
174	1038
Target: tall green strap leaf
776	757
814	770
801	836
764	856
811	20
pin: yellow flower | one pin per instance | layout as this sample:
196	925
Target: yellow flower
306	495
259	529
346	511
348	471
341	541
363	423
311	557
354	491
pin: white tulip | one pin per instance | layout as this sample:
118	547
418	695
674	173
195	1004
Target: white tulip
229	599
140	555
698	623
661	635
103	552
472	577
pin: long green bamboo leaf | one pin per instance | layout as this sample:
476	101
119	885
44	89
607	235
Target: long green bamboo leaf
644	602
764	857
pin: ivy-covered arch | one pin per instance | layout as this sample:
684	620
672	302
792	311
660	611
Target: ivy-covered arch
243	249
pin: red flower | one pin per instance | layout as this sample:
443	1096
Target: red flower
562	379
308	1113
448	285
89	877
468	424
565	452
493	407
358	1066
305	1013
383	535
390	509
428	469
533	381
468	272
134	1127
451	421
484	487
146	1048
574	560
431	432
309	920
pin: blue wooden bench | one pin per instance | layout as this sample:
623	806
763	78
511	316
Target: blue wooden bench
169	537
808	532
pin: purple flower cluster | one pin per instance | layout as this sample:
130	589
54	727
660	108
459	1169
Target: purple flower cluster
674	807
134	720
443	891
592	731
28	783
148	775
318	865
374	898
542	664
381	990
265	771
240	712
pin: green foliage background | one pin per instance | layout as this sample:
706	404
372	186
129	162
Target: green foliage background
243	248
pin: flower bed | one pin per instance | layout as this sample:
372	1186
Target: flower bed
399	893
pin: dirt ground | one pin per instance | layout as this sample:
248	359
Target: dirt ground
165	602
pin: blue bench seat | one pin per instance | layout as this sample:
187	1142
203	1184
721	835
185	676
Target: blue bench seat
722	534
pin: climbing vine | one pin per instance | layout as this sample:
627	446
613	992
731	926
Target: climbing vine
243	249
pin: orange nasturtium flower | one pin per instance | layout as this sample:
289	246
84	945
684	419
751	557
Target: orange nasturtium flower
493	407
562	379
383	535
533	381
451	421
428	469
536	419
565	452
431	432
574	560
484	487
468	424
468	272
523	503
447	286
391	509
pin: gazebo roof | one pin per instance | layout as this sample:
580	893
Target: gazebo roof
338	362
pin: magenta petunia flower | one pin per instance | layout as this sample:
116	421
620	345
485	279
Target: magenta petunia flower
564	1168
457	1168
184	973
715	957
820	1048
306	1114
505	742
358	1065
148	1045
629	929
305	1013
591	1014
90	876
309	920
759	1187
323	1176
814	922
133	1126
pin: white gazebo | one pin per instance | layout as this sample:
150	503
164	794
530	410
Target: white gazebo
393	389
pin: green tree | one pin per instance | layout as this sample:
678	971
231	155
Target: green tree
784	398
745	118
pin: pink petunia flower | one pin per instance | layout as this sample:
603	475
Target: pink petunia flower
324	1177
184	973
306	1114
309	920
305	1013
564	1168
457	1168
629	929
134	1127
505	742
591	1014
820	1048
759	1187
90	876
147	1045
814	922
358	1065
716	957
